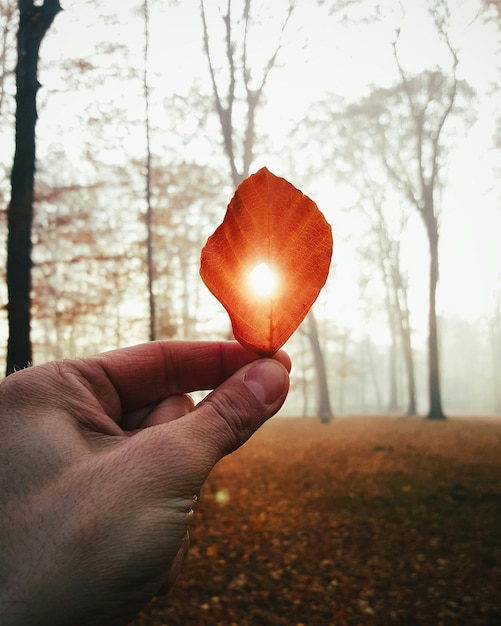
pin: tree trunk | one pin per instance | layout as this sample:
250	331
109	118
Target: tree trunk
496	350
324	406
409	362
304	378
401	316
392	406
34	21
435	403
391	308
405	333
373	367
149	208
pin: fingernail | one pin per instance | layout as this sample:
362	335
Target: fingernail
267	381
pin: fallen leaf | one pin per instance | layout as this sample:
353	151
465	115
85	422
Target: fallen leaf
319	558
268	260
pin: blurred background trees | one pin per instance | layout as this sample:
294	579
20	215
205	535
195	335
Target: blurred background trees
338	98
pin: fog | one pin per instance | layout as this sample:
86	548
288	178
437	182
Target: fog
315	76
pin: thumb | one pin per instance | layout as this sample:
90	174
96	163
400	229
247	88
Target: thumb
229	415
184	451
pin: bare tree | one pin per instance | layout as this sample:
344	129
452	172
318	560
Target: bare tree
241	75
430	101
350	132
324	410
34	21
388	258
495	329
149	210
247	90
7	28
406	132
386	221
408	135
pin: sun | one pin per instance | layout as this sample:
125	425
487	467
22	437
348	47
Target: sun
263	280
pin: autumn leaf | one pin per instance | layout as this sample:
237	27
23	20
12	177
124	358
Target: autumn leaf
268	260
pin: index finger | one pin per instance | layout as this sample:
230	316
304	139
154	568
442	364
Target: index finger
149	372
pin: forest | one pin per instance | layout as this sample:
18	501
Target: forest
125	130
150	113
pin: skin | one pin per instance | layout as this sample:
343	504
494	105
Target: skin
101	463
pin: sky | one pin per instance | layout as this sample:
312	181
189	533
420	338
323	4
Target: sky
321	55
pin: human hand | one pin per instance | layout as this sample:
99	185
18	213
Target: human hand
102	460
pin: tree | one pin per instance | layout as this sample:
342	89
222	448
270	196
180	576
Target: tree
387	256
386	221
410	131
8	11
347	134
324	410
184	199
149	211
407	132
429	101
8	30
34	21
495	331
245	92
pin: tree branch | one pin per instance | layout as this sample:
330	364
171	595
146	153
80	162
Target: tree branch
253	96
224	113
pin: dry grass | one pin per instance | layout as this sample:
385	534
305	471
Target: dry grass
363	521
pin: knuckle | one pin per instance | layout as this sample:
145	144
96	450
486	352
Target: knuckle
232	415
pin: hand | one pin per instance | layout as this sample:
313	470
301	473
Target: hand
102	460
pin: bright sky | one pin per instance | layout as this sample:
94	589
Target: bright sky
319	56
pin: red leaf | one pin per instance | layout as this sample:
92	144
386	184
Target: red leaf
272	226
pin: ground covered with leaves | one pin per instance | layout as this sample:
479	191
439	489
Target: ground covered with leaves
361	521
